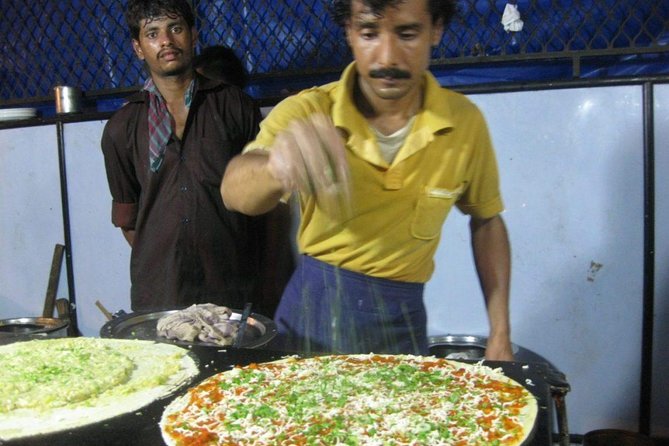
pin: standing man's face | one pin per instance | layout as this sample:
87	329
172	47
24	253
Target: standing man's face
392	51
166	45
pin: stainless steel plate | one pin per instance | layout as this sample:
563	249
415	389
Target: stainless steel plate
460	346
259	330
14	114
26	328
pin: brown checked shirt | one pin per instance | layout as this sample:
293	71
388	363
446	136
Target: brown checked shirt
187	248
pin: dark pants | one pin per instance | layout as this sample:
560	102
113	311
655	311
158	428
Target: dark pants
332	310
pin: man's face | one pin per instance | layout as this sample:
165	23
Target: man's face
392	51
166	45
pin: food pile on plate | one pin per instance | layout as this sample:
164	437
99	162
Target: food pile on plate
206	322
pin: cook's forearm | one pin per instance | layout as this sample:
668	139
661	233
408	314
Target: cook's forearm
492	254
499	339
248	187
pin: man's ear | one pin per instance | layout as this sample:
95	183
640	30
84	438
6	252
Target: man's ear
137	49
437	32
193	33
348	30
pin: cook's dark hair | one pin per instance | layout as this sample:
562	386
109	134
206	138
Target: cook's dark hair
440	9
221	63
138	10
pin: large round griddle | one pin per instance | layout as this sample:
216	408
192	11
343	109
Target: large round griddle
141	428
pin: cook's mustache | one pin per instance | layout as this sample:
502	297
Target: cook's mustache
395	73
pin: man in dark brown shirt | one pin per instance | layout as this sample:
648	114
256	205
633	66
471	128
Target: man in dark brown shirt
165	153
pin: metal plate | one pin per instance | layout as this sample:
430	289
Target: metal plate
15	114
259	329
26	328
458	346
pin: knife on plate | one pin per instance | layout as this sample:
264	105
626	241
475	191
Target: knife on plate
242	324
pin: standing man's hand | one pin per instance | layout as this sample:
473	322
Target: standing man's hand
310	157
129	235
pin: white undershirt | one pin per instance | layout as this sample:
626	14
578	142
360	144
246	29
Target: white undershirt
391	144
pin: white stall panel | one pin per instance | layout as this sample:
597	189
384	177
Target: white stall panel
660	396
571	163
101	254
30	218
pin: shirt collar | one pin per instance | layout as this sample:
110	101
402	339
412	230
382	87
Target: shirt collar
435	113
203	84
435	116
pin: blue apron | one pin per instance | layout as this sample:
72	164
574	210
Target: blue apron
333	310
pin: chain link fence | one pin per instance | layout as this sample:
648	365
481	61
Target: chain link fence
85	43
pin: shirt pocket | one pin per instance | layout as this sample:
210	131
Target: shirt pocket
215	154
433	207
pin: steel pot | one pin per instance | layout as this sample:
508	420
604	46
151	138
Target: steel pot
608	437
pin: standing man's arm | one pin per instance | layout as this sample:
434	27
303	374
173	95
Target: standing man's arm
123	184
492	255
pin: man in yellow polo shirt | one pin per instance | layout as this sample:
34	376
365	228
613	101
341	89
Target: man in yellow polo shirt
378	159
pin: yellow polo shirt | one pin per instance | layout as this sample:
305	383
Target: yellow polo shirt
398	209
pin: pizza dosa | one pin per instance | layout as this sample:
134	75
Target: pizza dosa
353	399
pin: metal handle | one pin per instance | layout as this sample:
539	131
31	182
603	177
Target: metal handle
54	277
102	308
242	326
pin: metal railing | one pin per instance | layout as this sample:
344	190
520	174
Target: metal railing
86	43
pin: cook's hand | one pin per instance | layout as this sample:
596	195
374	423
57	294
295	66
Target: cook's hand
499	349
310	157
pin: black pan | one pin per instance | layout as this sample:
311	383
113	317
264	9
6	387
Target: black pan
142	325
